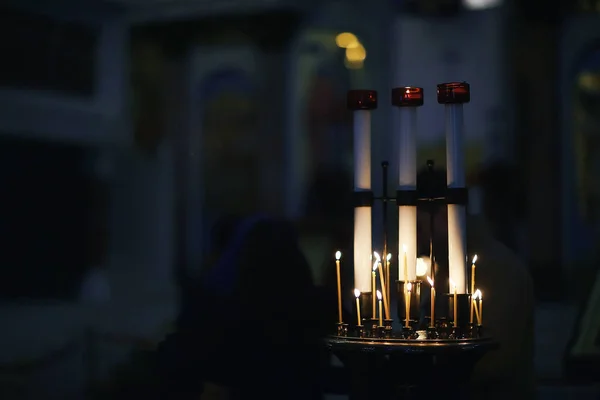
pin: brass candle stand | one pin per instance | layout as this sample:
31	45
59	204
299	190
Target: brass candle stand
433	358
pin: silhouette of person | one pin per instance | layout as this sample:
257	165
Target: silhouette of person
506	286
252	328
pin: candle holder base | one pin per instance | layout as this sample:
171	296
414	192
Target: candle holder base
360	331
387	325
444	328
342	329
371	325
408	333
432	333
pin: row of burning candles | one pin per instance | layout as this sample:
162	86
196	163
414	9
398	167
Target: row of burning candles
476	305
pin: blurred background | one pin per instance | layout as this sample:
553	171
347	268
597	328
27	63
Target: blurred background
127	127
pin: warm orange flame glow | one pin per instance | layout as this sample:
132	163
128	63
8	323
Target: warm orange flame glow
356	293
378	295
430	281
477	295
474	259
338	255
408	287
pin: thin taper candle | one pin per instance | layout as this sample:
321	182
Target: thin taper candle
408	292
387	278
357	295
472	286
385	302
338	255
373	286
476	297
480	309
432	322
453	285
380	310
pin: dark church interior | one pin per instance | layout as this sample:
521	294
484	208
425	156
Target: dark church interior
299	199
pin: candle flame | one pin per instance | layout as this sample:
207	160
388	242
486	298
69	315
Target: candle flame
477	295
378	295
404	248
357	293
408	287
376	254
338	255
452	284
389	257
375	266
474	259
430	281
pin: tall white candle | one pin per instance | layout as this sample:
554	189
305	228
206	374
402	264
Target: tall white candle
361	102
457	224
362	215
362	150
362	248
407	164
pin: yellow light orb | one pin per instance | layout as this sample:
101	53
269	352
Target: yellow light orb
355	54
345	40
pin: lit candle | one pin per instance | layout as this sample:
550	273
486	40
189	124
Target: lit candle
432	322
476	296
382	283
357	295
387	278
480	308
472	286
338	255
453	285
453	95
473	274
380	310
374	284
408	290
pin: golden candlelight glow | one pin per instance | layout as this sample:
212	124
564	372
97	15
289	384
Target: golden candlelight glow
409	287
357	293
378	295
474	259
377	258
389	257
338	255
